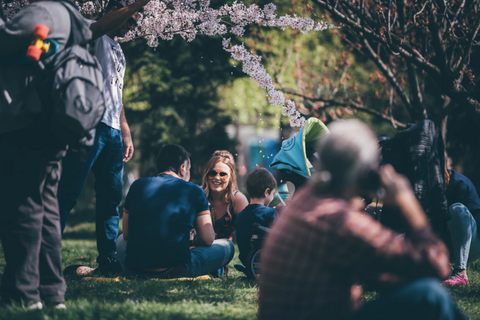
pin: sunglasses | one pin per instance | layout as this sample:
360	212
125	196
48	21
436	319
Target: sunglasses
213	173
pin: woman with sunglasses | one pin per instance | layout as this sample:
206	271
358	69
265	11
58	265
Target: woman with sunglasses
220	186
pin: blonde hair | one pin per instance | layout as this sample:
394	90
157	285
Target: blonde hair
225	154
446	176
226	158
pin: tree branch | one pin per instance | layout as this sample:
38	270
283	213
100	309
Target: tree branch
416	93
417	59
329	103
437	42
458	66
391	78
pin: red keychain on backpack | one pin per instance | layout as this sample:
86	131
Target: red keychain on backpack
38	46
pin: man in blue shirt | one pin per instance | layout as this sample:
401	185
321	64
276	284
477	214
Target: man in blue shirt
158	217
464	206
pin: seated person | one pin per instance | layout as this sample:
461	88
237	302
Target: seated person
261	186
158	216
226	201
322	246
464	206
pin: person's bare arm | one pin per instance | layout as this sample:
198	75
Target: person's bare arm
240	203
205	233
115	19
125	224
126	137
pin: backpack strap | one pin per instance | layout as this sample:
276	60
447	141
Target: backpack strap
77	26
2	13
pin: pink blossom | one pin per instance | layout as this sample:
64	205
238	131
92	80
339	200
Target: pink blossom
163	19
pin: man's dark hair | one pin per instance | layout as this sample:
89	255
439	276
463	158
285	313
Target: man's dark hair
258	181
171	157
111	4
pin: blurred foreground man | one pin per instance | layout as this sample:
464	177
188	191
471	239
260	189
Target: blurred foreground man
322	246
30	164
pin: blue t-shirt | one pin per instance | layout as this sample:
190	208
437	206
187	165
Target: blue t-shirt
244	225
461	190
161	212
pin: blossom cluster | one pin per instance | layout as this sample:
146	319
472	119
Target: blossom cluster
251	65
163	19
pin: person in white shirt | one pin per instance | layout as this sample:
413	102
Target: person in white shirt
113	142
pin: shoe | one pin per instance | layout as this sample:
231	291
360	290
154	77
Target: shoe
457	279
35	306
241	268
60	306
109	265
77	270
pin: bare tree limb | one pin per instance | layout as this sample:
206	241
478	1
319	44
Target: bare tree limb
390	77
417	59
354	105
437	43
417	98
458	66
455	18
330	103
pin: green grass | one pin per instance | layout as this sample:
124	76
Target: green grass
234	297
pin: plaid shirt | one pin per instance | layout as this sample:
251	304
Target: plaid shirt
319	249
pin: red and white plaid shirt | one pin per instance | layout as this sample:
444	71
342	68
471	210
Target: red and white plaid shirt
319	249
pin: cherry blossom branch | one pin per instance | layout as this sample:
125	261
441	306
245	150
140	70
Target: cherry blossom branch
251	65
163	19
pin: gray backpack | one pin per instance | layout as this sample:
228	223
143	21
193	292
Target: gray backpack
77	97
66	95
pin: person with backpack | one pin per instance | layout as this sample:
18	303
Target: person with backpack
112	145
30	161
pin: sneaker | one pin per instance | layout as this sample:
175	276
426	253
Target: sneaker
35	306
60	306
77	270
109	265
457	279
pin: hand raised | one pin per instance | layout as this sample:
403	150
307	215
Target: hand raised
393	183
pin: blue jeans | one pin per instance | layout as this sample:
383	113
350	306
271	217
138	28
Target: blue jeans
203	259
105	159
422	299
465	240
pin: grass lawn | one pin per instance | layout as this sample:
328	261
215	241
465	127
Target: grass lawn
228	298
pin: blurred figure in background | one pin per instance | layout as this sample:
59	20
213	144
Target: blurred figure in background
322	246
464	206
